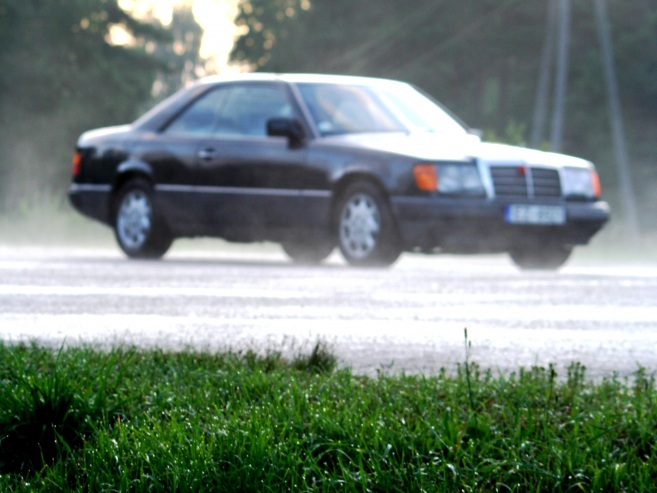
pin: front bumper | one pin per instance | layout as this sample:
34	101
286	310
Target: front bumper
469	225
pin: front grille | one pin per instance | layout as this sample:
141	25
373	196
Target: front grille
546	182
509	182
519	181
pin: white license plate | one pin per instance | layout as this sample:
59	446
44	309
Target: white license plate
535	214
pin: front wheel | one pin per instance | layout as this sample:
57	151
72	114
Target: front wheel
139	231
546	257
366	231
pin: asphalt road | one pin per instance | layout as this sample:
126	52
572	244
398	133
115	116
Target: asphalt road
408	318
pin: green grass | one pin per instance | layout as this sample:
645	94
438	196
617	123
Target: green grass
127	420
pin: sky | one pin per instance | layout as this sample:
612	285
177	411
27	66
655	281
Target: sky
215	17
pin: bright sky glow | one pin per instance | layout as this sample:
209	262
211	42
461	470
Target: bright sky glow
214	16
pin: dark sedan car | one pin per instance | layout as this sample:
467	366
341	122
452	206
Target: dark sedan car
373	166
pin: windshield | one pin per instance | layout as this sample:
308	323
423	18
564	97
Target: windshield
392	107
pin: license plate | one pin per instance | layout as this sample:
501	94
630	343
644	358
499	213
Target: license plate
535	214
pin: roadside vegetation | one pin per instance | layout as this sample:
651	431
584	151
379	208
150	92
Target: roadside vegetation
82	419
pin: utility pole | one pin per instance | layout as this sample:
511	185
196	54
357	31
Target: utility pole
558	23
628	196
543	89
561	78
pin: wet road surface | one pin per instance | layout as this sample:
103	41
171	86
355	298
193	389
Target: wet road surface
408	318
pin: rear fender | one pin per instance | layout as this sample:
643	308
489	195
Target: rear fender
131	169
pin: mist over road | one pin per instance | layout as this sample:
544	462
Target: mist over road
407	318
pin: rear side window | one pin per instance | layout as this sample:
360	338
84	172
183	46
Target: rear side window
234	110
201	118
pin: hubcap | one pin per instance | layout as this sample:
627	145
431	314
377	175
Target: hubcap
134	220
359	226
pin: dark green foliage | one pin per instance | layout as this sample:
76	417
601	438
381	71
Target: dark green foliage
320	359
60	76
50	403
231	422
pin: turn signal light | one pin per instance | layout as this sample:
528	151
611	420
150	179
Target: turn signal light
77	163
426	177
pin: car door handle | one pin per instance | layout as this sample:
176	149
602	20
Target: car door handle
207	154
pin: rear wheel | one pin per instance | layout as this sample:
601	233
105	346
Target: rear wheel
308	251
140	232
366	231
545	257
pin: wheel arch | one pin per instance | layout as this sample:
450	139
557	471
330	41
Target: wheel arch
348	179
125	172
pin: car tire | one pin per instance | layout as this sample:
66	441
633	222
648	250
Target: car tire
366	231
546	257
139	230
308	251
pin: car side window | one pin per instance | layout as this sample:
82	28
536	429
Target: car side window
234	110
201	118
347	109
250	106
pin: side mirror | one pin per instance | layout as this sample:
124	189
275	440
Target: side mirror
291	129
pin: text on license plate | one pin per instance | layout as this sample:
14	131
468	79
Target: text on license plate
535	214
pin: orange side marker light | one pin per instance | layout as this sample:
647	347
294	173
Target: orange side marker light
426	177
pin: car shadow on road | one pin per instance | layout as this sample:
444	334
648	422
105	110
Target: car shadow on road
198	260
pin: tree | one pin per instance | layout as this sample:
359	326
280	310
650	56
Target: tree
60	74
181	57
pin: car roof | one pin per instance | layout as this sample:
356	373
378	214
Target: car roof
168	107
296	78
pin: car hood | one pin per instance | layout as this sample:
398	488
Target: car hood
434	147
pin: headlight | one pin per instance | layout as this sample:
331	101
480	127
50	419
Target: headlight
449	178
581	183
